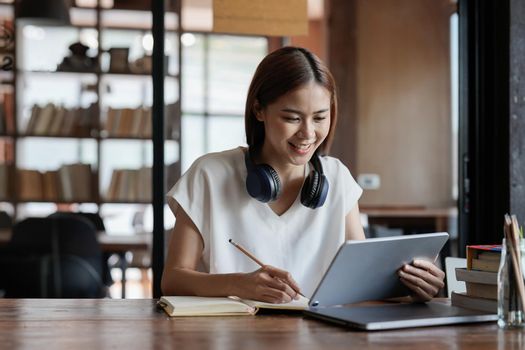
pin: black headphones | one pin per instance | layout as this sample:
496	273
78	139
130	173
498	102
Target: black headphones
263	184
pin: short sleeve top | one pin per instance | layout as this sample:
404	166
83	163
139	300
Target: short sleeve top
302	241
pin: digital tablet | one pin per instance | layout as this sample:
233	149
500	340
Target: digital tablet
367	270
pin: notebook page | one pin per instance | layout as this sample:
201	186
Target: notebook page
201	306
299	304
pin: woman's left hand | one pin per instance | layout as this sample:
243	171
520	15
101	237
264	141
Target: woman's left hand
423	277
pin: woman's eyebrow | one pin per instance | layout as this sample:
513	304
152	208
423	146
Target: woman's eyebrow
291	110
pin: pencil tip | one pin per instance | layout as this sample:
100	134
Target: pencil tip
230	240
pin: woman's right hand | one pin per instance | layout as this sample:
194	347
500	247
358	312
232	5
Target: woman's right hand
268	284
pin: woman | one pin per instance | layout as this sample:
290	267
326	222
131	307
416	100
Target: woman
284	203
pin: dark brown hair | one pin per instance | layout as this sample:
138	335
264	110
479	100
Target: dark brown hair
280	72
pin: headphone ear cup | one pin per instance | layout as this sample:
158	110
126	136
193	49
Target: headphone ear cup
322	191
310	189
315	187
315	190
262	183
273	180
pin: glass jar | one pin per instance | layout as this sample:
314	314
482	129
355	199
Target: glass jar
510	307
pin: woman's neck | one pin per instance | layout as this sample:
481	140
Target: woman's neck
291	177
287	172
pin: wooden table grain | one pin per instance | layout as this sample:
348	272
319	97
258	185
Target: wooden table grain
138	324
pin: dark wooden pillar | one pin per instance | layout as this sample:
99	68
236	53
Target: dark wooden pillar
492	112
517	108
484	120
341	59
159	189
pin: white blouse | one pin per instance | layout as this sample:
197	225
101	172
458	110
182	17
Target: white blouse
302	241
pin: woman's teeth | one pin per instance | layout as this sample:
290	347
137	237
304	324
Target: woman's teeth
301	147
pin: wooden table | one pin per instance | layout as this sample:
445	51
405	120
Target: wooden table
415	220
406	216
137	324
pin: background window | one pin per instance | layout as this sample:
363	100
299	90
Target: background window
217	71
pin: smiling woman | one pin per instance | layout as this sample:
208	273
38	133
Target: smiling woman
282	198
279	75
296	124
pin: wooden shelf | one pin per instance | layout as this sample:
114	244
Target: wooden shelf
131	74
127	138
55	136
106	23
148	75
27	201
131	138
124	202
135	29
42	72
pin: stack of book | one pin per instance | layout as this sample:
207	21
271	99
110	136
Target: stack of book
130	185
137	122
135	185
128	122
7	113
53	120
4	181
480	277
69	183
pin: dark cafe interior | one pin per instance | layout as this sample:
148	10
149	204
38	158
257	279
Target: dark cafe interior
106	104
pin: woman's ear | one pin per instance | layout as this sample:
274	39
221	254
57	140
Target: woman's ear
258	111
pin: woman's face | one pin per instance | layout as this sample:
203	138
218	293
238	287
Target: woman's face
296	124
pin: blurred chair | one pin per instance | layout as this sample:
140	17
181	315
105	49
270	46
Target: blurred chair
453	284
5	220
95	219
53	257
6	223
98	222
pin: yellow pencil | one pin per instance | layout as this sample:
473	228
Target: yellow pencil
247	253
251	256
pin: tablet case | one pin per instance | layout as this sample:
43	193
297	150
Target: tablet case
367	270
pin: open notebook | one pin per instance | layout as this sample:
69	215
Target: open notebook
218	306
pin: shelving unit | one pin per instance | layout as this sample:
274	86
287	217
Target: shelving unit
36	81
7	93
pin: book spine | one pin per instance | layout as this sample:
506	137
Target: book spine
468	302
484	277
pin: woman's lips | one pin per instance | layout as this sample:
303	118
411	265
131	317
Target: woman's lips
301	148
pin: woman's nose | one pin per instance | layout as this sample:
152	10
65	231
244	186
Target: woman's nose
307	130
